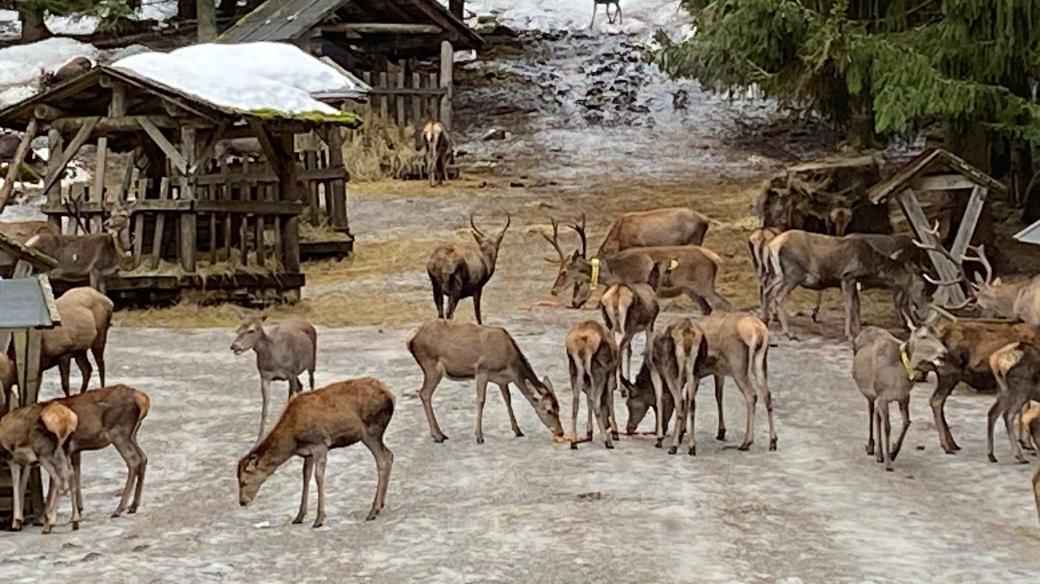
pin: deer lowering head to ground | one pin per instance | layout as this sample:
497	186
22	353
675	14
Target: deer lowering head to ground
592	358
437	145
462	271
335	416
629	309
37	435
674	357
884	369
283	352
458	351
86	316
1016	368
90	257
639	399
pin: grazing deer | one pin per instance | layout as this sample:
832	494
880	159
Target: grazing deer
458	351
283	353
438	146
86	316
462	271
1016	368
606	7
816	262
629	309
639	398
593	358
884	369
38	434
675	357
335	416
693	274
91	257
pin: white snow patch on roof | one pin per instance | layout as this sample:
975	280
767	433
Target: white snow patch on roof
22	65
244	77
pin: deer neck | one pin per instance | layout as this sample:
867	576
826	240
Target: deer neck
263	348
276	448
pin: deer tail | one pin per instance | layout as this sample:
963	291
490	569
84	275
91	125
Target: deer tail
714	257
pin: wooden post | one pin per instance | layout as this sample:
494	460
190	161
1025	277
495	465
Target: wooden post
207	20
919	223
160	224
383	84
457	8
16	163
447	54
338	188
417	117
187	220
289	192
972	212
117	108
53	194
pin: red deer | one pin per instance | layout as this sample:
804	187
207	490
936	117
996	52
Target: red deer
675	357
606	6
21	231
884	369
86	316
462	271
8	380
1016	368
438	146
639	398
663	227
335	416
91	257
458	351
631	309
758	250
593	359
37	435
283	353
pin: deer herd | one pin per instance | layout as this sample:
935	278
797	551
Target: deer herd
644	258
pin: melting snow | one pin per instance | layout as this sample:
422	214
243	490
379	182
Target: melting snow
575	15
21	66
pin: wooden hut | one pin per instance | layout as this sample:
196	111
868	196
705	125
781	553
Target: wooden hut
26	307
403	49
200	220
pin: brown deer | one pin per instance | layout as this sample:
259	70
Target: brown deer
668	226
438	147
462	271
91	257
38	434
629	309
693	274
593	358
86	316
21	231
335	416
1016	368
283	352
674	357
70	70
606	7
885	369
757	249
817	262
458	351
639	399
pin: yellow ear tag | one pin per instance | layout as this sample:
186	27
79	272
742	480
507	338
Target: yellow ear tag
673	264
594	279
907	365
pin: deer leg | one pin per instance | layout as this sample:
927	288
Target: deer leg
1012	412
50	507
482	381
476	305
759	378
611	386
851	301
452	303
265	394
595	397
879	452
308	472
64	363
431	377
508	399
384	461
84	370
99	358
438	296
18	494
887	422
719	382
77	492
594	7
655	379
320	457
576	382
681	395
131	456
943	388
815	314
750	399
870	423
691	409
142	466
904	410
781	312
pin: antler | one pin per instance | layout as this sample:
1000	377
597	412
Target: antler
474	226
509	221
555	241
980	256
580	229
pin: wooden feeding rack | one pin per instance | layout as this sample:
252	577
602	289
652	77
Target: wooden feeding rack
198	222
936	169
26	307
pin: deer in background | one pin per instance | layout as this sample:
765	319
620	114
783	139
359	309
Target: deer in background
335	416
462	271
437	145
593	358
606	7
654	228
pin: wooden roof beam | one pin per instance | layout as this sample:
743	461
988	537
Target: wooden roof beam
382	28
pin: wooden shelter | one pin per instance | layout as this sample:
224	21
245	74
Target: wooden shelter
200	220
938	170
403	49
26	307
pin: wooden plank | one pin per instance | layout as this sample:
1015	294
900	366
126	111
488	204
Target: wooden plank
30	390
21	356
212	238
138	222
188	231
54	175
946	270
100	162
942	182
432	103
54	144
383	96
117	108
382	28
337	188
123	124
261	260
15	165
267	144
416	102
972	212
429	91
206	153
446	82
400	98
243	239
227	235
176	158
160	223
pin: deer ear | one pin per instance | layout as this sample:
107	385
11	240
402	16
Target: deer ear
997	282
251	464
59	420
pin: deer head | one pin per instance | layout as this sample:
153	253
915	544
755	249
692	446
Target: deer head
575	272
489	245
250	331
117	224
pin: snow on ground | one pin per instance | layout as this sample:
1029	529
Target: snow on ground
246	77
78	24
525	509
553	15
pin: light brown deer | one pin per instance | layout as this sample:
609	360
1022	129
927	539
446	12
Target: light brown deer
458	351
675	357
1016	368
757	249
86	316
630	309
335	416
667	226
438	148
462	271
593	357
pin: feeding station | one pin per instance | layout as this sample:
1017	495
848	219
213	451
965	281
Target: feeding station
201	220
936	169
26	307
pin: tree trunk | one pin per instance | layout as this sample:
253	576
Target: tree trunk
207	15
33	27
186	9
1029	176
861	123
456	8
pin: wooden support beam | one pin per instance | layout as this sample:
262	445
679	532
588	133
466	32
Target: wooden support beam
100	162
123	124
446	80
946	270
382	28
268	146
188	232
968	222
176	158
117	108
15	165
942	182
206	152
54	174
287	187
47	113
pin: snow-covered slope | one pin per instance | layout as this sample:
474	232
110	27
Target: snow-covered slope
641	16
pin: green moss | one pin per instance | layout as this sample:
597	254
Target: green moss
341	117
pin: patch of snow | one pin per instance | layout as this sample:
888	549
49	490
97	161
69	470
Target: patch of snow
645	16
21	66
72	25
160	10
245	77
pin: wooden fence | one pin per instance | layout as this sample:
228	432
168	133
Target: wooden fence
406	101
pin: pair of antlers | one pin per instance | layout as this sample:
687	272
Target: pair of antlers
554	241
980	256
481	234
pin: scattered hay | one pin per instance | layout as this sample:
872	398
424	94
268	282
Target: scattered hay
382	150
321	232
226	265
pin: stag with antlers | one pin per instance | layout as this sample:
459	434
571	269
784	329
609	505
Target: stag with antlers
462	271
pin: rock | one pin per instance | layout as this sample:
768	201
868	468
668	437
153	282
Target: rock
91	557
517	184
495	134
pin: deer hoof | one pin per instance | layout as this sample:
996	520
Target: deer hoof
480	440
870	448
47	529
298	520
75	526
372	515
318	523
609	445
658	443
672	450
615	436
693	451
992	458
888	468
772	445
1021	459
518	433
16	526
439	439
574	445
721	436
744	447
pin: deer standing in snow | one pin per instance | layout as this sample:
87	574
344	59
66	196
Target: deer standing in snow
592	358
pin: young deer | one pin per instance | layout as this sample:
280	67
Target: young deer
438	148
86	316
592	358
1016	368
283	353
444	348
335	416
462	271
675	357
629	309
